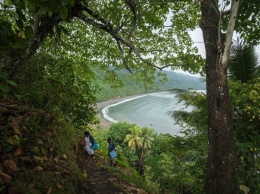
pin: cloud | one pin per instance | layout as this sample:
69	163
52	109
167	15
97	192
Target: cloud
197	38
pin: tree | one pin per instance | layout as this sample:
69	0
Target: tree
122	35
176	164
133	139
147	137
131	34
221	168
247	124
118	131
243	86
244	70
243	62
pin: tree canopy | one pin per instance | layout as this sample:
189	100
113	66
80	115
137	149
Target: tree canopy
132	35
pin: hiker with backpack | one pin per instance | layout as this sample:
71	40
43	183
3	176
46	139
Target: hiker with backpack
89	142
111	152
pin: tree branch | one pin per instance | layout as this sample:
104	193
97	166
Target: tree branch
132	6
107	28
229	33
122	56
227	12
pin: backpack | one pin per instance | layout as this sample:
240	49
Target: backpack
96	146
94	143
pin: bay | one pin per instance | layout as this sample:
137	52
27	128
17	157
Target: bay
147	111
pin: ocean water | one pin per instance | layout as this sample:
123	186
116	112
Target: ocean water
147	111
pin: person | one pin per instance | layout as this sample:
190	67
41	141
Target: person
89	142
111	149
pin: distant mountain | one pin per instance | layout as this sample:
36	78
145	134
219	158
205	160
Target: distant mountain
132	87
182	81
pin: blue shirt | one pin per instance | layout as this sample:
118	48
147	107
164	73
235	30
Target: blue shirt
111	146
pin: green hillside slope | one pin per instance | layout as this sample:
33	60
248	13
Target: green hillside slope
132	87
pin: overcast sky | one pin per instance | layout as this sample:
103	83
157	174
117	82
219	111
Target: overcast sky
197	38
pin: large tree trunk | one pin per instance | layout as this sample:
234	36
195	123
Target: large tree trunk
221	169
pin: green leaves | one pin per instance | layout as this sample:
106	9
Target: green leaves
19	3
6	83
245	98
19	24
247	24
177	163
4	88
147	136
64	12
133	139
68	2
32	5
243	62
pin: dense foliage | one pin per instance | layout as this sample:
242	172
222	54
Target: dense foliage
129	86
244	92
60	86
243	62
49	49
168	164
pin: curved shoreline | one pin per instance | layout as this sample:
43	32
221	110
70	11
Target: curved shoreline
104	123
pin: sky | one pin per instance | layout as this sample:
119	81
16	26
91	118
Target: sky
197	38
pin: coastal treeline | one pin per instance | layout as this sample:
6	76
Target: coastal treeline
50	52
126	85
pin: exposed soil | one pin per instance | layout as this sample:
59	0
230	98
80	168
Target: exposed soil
100	181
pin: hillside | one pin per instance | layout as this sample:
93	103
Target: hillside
132	87
41	154
181	81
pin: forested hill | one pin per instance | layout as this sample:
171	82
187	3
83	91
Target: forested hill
181	81
132	87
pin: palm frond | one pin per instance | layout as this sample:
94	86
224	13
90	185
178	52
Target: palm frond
178	115
243	64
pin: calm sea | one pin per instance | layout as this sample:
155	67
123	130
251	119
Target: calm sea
147	111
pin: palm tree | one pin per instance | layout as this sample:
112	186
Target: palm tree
133	139
244	67
140	138
243	64
147	137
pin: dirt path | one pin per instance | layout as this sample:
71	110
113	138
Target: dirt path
99	180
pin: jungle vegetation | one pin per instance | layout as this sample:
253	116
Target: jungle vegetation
49	50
